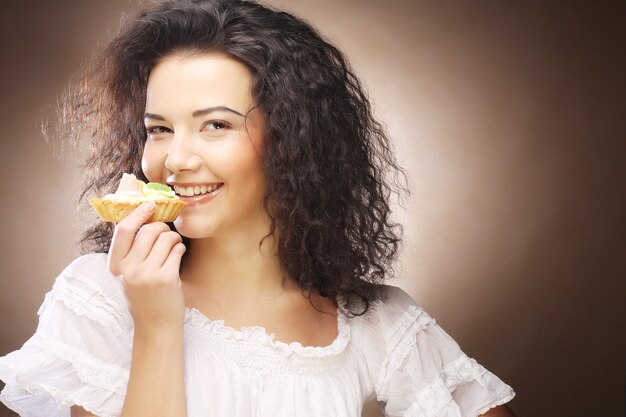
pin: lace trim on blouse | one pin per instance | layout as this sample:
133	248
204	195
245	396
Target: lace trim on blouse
89	369
252	347
61	401
97	308
496	403
400	345
431	399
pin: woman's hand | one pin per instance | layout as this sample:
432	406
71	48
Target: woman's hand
147	258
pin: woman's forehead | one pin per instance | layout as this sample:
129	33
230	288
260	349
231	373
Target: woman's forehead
198	81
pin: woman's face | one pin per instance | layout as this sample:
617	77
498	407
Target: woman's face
199	137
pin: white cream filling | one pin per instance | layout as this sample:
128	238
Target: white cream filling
126	198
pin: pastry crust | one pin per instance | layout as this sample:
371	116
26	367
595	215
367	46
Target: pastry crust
114	211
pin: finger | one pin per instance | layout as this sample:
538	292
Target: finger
125	230
172	263
162	247
144	240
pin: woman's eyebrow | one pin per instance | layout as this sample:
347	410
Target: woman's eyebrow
153	116
212	109
197	113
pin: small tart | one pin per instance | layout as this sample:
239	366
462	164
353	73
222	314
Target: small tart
131	193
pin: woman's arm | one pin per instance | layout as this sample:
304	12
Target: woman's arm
156	384
148	262
500	411
78	411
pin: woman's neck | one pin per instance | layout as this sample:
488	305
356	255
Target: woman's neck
234	267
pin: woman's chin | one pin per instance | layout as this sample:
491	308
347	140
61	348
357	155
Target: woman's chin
192	230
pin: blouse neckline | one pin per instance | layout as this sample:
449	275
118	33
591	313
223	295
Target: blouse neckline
258	336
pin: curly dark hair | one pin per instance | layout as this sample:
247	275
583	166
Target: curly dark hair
329	164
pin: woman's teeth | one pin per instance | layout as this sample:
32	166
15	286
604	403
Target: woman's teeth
196	190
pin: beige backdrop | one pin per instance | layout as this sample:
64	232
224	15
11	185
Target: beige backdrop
508	119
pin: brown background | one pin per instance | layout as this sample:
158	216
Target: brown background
509	119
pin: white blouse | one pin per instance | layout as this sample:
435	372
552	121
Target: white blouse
395	354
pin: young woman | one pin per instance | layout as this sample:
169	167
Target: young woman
265	297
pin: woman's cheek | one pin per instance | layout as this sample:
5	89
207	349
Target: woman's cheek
152	162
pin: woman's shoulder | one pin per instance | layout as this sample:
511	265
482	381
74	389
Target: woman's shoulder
394	305
87	286
91	268
389	294
87	264
392	320
416	366
91	271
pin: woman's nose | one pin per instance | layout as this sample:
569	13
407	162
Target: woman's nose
181	155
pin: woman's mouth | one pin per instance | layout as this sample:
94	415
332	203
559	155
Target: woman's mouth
197	194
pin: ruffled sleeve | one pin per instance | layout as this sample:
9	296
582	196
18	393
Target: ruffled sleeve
419	370
81	351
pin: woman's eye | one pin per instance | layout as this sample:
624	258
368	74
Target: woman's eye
216	125
157	129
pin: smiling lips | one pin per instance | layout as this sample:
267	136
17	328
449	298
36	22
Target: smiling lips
197	194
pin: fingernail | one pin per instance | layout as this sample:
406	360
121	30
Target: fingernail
148	206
